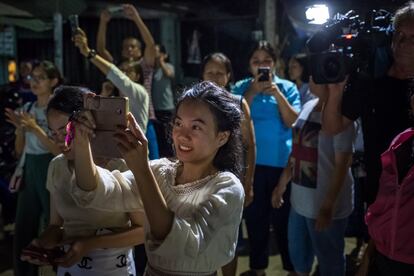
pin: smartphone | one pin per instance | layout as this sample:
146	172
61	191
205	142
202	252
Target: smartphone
47	256
115	9
109	113
265	71
74	23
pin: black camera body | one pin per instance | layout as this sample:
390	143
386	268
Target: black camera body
347	44
329	67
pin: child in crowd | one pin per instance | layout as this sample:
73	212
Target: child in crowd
96	242
194	204
322	191
35	149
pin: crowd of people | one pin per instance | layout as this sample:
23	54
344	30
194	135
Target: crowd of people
274	152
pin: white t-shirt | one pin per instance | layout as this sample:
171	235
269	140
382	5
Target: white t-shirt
313	156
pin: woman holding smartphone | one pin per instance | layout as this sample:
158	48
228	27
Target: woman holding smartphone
193	204
274	104
96	242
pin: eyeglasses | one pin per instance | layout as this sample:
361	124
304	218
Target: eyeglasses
37	78
60	132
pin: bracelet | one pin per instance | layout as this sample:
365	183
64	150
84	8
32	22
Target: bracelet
91	54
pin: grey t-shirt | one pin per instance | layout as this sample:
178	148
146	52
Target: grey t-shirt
314	163
32	143
162	95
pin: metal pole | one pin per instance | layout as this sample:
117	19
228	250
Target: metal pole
270	27
58	39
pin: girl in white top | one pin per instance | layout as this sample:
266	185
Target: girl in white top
96	242
193	205
35	149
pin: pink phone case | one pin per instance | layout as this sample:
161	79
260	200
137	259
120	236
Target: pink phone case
108	112
43	255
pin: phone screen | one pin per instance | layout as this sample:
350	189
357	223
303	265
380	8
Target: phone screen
264	71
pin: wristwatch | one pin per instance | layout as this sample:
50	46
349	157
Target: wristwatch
91	54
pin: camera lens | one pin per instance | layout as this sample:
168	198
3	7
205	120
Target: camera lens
331	68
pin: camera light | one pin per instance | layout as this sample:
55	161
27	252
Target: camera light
317	14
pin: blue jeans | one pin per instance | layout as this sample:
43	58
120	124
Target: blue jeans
328	245
152	141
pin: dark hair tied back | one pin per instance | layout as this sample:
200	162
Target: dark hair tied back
67	99
227	114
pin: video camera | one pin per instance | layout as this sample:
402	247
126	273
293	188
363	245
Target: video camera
347	44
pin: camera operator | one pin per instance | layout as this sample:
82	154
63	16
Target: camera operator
383	103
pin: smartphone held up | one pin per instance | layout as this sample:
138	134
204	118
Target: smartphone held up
264	73
115	9
109	113
74	23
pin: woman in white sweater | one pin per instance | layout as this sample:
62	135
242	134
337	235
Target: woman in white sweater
193	205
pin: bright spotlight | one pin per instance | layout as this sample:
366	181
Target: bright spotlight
317	14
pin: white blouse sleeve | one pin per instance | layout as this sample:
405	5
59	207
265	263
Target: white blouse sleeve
116	192
220	214
50	176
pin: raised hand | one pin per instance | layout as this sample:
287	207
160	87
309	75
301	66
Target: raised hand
130	12
257	86
132	144
84	125
28	121
81	41
13	117
105	16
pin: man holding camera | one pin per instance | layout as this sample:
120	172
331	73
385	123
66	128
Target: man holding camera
383	103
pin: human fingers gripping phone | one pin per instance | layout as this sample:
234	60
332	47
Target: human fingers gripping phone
108	113
264	73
